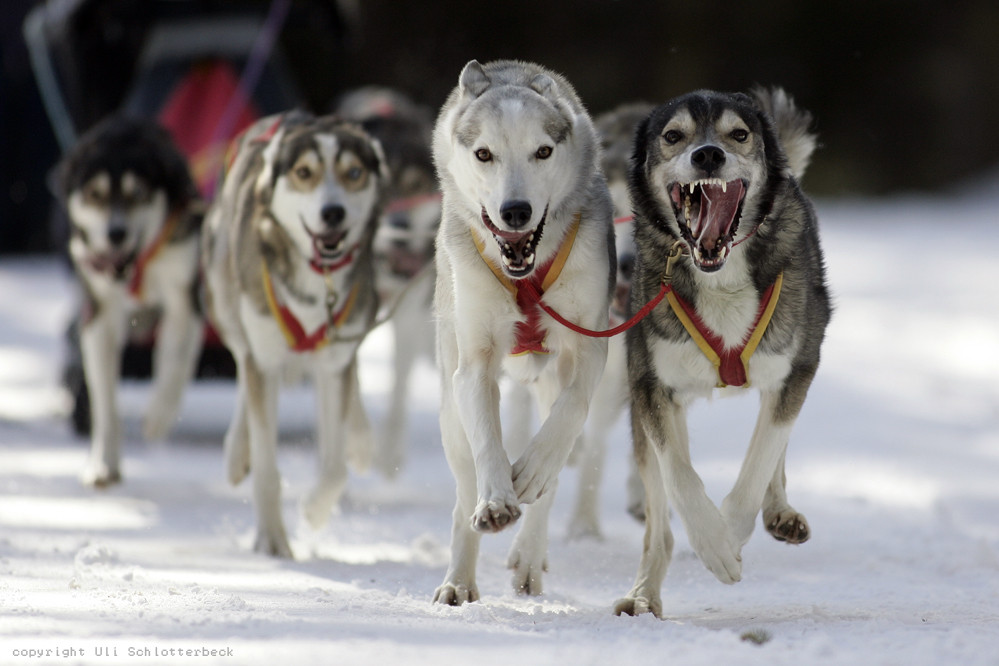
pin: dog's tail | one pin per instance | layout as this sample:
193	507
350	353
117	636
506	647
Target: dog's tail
793	127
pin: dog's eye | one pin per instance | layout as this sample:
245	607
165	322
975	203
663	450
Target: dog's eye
483	155
303	173
740	135
672	137
544	152
354	173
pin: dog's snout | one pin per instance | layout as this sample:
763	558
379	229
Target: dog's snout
516	213
708	158
333	214
117	231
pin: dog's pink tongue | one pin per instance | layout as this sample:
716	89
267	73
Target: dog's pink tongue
718	210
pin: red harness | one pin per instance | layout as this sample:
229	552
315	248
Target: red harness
731	363
529	336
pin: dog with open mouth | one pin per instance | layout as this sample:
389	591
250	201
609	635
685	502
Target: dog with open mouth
723	229
290	287
134	217
526	221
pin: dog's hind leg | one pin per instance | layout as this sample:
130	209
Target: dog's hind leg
528	557
261	410
657	551
174	361
332	403
101	341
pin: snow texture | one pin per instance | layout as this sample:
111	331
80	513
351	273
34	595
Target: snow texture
895	462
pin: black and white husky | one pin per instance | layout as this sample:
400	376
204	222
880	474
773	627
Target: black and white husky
134	224
526	221
720	219
290	287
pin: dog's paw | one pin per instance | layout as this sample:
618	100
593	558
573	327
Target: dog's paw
532	478
789	526
714	546
495	515
100	476
455	594
639	605
527	571
274	545
237	460
318	505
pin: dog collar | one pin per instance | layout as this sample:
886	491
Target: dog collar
294	333
135	283
529	336
732	363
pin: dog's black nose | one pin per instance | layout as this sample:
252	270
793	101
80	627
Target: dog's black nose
708	158
333	214
116	235
516	213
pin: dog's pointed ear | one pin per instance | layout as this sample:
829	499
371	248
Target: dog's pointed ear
473	80
264	186
543	85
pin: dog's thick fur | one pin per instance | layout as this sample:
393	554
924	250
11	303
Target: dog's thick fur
300	202
731	139
516	155
134	218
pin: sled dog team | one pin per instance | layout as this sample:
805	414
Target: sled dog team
503	213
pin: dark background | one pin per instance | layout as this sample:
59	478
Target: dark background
904	93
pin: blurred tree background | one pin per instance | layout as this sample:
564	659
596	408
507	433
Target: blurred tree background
902	91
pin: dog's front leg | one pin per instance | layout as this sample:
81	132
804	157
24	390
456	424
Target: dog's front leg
568	391
332	401
665	423
477	397
459	584
174	361
261	412
657	552
101	341
761	479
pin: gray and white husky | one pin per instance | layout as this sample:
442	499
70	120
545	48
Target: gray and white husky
719	217
526	220
134	215
290	287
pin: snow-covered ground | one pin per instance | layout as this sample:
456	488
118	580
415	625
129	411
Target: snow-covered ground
895	461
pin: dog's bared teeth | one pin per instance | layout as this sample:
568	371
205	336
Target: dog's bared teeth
724	186
692	186
529	259
686	210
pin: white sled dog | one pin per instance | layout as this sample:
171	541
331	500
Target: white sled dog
526	222
134	216
290	287
721	221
